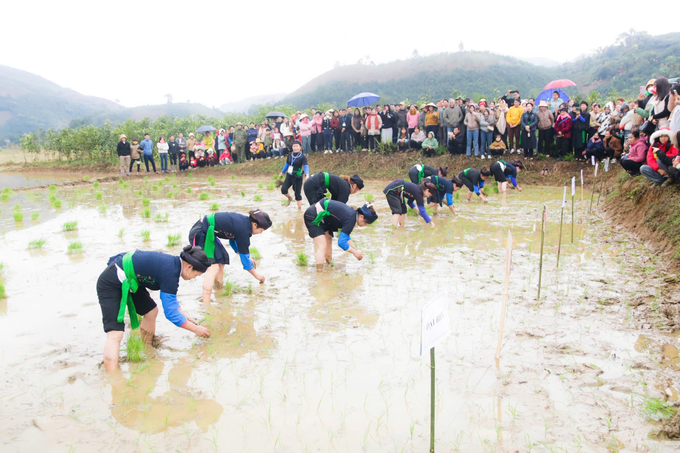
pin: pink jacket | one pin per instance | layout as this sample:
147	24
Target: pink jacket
412	120
638	151
317	123
305	129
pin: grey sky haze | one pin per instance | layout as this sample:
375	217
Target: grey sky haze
215	51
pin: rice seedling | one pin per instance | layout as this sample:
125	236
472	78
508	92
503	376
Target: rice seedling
121	181
232	177
190	175
3	294
56	203
16	207
457	195
255	253
146	235
174	239
301	259
135	348
79	191
167	179
214	207
243	194
284	202
204	196
74	248
249	290
102	208
69	226
18	217
146	180
146	213
257	198
211	180
98	195
495	188
146	202
4	196
121	232
125	185
369	197
95	184
656	409
170	194
259	185
35	215
53	187
412	213
174	186
188	189
162	218
36	244
154	187
86	178
270	186
159	183
229	288
138	193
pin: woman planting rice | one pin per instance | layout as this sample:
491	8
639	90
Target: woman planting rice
474	179
124	283
327	216
237	228
502	170
419	172
296	163
340	187
400	192
445	191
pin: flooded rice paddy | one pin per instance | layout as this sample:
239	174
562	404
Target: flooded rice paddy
330	361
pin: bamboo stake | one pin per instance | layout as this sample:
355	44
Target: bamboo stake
592	196
508	267
583	217
573	192
432	400
540	266
606	170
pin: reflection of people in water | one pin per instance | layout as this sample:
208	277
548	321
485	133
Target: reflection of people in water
474	180
238	229
502	170
400	192
340	187
124	283
445	191
419	172
328	216
133	407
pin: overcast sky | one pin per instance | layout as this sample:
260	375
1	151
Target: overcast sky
220	51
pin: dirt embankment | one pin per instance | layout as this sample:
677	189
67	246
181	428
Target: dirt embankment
367	165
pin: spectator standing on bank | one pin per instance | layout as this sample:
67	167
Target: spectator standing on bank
163	153
123	150
513	119
546	123
147	153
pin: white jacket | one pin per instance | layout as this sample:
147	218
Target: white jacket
162	148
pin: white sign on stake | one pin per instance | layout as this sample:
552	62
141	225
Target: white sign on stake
573	186
581	176
564	197
435	325
595	170
545	216
606	165
593	159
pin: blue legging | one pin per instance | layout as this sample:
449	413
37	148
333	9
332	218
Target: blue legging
472	135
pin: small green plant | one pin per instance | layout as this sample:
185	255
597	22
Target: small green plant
121	232
125	185
146	202
229	288
170	194
167	179
146	235
243	194
270	186
53	187
412	212
18	217
232	177
121	181
154	187
211	180
98	195
189	190
284	202
162	218
259	185
214	207
16	207
257	198
174	239
75	248
146	180
255	253
102	208
3	294
35	215
146	213
95	184
135	348
204	196
36	244
301	259
69	226
656	409
86	178
369	197
56	203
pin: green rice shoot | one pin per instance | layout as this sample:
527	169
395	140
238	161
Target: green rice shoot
255	253
53	187
243	194
3	294
86	178
170	194
75	248
257	198
270	186
189	190
35	215
121	232
56	203
204	196
18	217
146	213
69	226
36	244
259	185
95	184
214	207
229	288
98	195
146	235
102	208
174	240
135	347
146	202
162	218
301	259
655	409
121	181
369	197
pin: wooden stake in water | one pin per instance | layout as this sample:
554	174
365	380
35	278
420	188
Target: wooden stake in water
508	268
432	400
559	244
583	217
540	265
594	185
573	192
606	170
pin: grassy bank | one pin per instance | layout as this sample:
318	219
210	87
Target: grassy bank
369	166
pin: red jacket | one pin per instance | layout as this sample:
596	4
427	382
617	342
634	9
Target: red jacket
563	125
668	147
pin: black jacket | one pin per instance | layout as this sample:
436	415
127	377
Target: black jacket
123	149
387	120
173	147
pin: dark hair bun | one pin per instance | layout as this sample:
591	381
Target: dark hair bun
187	248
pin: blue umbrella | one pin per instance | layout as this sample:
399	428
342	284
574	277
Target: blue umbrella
363	99
205	129
547	96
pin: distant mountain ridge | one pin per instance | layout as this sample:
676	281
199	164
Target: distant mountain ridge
244	105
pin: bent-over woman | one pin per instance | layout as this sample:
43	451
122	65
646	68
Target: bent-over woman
237	229
400	192
445	191
327	216
296	164
124	284
503	170
340	187
419	172
474	179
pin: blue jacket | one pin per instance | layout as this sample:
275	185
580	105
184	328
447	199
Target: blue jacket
147	147
252	135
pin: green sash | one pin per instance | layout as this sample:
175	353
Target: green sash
421	172
130	285
323	214
209	247
326	178
465	172
298	172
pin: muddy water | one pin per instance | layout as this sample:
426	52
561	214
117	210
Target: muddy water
329	362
